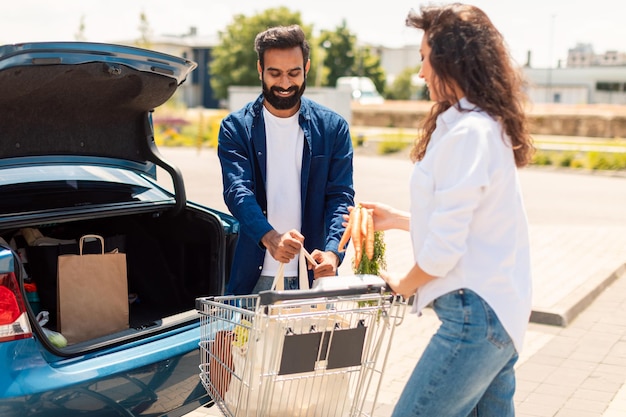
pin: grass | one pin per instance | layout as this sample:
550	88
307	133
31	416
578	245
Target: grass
387	141
566	152
590	160
197	131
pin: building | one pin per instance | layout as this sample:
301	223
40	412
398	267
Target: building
583	85
196	91
589	78
582	55
396	60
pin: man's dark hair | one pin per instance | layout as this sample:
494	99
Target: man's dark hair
281	37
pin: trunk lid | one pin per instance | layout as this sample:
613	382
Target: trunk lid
67	100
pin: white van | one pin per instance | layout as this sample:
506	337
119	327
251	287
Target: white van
362	89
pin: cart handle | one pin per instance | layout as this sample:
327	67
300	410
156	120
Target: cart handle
272	297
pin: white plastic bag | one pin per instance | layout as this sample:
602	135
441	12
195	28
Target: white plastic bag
263	385
264	391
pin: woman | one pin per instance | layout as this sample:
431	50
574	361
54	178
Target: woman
467	220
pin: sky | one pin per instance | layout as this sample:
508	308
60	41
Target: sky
545	28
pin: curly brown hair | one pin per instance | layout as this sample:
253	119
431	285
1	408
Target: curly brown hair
468	50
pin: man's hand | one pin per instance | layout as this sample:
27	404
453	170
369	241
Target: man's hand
327	263
283	247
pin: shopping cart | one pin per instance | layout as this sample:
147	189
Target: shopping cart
318	352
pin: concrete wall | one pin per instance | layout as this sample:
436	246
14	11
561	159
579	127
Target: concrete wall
603	121
589	125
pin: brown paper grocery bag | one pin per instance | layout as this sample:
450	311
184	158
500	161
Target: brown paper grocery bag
221	366
92	294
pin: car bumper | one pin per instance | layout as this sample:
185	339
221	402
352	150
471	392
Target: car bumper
154	378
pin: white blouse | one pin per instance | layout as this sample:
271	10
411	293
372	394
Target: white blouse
468	222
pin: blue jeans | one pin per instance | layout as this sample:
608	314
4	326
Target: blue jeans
265	283
467	367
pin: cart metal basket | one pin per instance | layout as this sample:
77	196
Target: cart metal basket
318	352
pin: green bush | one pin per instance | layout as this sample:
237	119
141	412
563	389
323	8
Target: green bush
596	160
197	132
620	160
358	140
566	159
606	160
593	160
391	146
541	158
394	142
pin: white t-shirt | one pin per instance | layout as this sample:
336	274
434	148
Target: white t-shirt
468	221
285	143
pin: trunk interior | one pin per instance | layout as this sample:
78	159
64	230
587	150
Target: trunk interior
170	261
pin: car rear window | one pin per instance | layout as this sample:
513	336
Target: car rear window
36	189
50	195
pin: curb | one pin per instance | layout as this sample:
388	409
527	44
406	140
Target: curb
576	302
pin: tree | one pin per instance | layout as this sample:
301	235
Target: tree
404	86
366	64
80	33
234	58
338	47
342	58
145	32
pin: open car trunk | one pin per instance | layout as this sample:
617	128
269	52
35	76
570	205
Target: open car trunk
171	260
78	158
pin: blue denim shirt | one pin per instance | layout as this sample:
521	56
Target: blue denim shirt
326	183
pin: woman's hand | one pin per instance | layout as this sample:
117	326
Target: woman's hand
398	285
408	284
386	217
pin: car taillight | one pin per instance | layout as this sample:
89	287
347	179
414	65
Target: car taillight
13	317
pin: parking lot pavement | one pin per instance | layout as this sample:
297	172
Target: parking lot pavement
573	366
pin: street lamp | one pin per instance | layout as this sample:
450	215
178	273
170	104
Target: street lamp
549	97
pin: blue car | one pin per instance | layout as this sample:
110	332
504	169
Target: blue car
78	158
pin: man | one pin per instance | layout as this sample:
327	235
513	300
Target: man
287	171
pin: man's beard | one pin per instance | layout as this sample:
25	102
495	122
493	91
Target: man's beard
283	103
